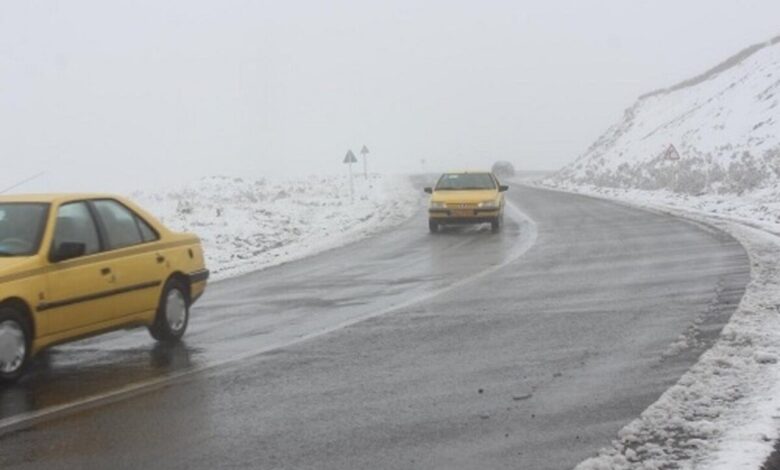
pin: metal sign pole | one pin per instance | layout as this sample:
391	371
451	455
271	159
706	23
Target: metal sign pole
671	154
364	152
349	159
351	185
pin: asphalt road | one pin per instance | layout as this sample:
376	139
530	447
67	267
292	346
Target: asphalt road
526	350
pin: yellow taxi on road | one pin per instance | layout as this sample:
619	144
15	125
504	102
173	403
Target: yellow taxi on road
466	197
73	266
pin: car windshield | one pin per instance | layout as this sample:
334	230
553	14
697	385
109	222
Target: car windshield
21	228
465	181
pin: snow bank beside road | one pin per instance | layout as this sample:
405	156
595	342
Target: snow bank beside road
250	224
759	208
724	413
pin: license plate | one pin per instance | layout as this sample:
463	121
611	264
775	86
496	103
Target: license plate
462	213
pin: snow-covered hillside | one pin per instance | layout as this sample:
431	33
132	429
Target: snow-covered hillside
249	224
725	124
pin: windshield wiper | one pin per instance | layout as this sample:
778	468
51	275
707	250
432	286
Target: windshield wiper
7	253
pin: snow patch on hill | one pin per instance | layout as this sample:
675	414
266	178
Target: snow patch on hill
250	224
725	125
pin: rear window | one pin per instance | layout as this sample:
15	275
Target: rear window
122	226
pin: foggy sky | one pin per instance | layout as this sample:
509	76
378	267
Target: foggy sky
112	95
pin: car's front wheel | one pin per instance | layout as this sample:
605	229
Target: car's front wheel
173	313
433	226
14	344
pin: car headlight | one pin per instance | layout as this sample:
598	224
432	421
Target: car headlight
438	205
488	205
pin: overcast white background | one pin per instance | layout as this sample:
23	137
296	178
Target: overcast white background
112	95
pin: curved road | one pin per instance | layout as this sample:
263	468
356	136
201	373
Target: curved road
528	349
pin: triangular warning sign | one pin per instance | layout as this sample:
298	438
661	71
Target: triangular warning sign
364	151
672	153
350	157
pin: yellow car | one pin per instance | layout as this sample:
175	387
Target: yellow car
466	197
73	266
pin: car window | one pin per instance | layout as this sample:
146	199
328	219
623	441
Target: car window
120	223
147	232
75	224
465	181
21	228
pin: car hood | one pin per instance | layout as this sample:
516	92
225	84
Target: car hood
465	197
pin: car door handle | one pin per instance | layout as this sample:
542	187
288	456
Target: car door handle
105	271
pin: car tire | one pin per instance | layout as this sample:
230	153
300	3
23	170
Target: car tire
15	344
433	226
173	313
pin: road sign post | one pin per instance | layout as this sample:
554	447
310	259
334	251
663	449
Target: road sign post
671	154
364	153
349	159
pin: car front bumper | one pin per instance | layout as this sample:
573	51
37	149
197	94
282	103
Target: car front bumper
464	216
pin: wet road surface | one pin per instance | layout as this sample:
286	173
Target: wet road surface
528	349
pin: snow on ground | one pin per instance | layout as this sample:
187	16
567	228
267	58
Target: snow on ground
724	413
250	224
759	208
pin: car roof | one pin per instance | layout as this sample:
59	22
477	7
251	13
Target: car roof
56	198
465	172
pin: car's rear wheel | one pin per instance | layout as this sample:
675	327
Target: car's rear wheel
173	313
14	344
433	226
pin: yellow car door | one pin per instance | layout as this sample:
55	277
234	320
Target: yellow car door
139	268
80	280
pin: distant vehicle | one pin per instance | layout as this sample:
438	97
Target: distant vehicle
503	169
466	198
73	266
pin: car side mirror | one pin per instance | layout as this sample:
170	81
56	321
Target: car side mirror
68	250
428	190
502	188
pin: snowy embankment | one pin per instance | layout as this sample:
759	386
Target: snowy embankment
708	150
250	224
